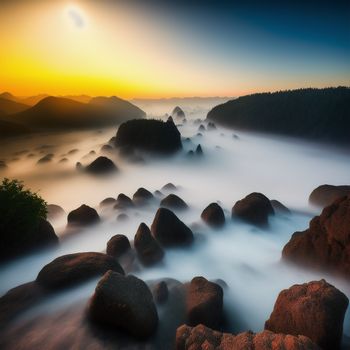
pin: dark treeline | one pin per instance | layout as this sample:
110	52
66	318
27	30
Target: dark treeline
321	114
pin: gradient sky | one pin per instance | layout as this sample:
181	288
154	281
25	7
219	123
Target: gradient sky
172	48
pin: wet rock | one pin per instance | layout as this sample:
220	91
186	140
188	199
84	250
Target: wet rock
278	207
325	195
204	303
201	337
315	309
172	201
149	135
213	215
109	201
101	165
118	245
169	187
148	249
199	151
124	303
254	208
326	243
82	216
169	230
46	159
54	211
75	268
160	292
123	202
178	113
142	196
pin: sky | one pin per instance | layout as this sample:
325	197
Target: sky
154	49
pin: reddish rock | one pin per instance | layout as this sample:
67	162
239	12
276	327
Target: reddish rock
118	245
203	338
315	309
325	195
204	303
82	216
213	215
254	208
326	243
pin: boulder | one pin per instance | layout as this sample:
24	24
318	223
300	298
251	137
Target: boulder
54	211
254	208
122	217
315	309
169	187
118	245
213	215
178	113
211	126
278	207
148	249
82	216
325	195
126	303
149	135
199	151
172	201
201	128
169	230
123	202
73	151
75	268
63	160
326	243
142	196
45	159
160	292
101	165
201	337
107	202
107	149
204	303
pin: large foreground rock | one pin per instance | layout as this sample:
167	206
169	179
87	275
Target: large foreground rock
213	215
326	243
149	135
204	303
254	208
71	269
315	309
169	230
82	216
124	303
325	195
203	338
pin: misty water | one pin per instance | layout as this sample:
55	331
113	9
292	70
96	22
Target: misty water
248	259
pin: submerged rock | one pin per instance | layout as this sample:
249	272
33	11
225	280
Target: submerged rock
178	113
326	243
169	187
169	230
213	215
199	151
325	195
101	165
254	208
315	309
118	245
82	216
148	249
211	126
75	268
172	201
126	303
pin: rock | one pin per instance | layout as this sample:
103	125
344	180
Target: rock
201	128
122	217
112	141
178	113
107	149
149	135
199	151
160	292
79	166
190	154
54	212
326	243
45	159
75	268
203	338
148	249
73	151
199	134
172	201
254	208
159	194
169	230
204	303
211	126
92	153
315	309
278	207
142	196
108	202
123	202
124	303
325	195
101	165
118	245
213	215
169	187
63	160
82	216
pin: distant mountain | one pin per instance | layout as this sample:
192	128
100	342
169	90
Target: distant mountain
10	106
32	100
62	113
8	96
319	114
9	129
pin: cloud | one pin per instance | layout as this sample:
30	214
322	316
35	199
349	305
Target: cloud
77	18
